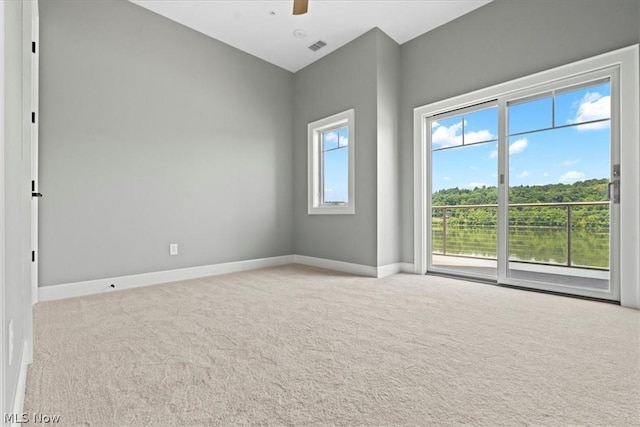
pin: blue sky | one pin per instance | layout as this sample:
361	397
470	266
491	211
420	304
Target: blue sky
568	153
335	162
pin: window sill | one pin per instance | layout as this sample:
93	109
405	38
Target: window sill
332	210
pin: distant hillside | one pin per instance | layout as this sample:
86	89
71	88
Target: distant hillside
593	190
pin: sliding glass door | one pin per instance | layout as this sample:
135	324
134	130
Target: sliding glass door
523	189
561	162
464	197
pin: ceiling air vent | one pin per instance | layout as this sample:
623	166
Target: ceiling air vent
317	45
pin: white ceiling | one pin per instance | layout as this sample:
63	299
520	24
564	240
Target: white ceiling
264	28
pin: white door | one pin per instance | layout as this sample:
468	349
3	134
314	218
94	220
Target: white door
34	149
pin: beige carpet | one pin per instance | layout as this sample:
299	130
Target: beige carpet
302	346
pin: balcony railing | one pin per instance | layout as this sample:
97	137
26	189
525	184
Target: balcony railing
540	219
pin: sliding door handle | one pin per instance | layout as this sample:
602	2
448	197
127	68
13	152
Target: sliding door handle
36	194
613	191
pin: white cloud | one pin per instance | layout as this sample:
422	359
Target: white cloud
593	106
571	177
590	97
479	136
518	146
524	174
476	184
332	138
473	168
444	136
446	178
451	136
515	148
545	174
593	126
571	162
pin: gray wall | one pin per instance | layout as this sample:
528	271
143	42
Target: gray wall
364	75
152	133
388	89
17	279
346	78
498	42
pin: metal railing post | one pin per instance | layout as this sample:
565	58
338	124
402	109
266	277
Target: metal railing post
444	231
568	235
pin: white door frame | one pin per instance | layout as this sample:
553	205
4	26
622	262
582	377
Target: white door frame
28	9
3	386
34	102
627	61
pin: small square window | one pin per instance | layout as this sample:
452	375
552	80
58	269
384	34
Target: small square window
331	164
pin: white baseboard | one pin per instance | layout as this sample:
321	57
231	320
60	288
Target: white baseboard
21	387
89	287
391	269
329	264
69	290
357	269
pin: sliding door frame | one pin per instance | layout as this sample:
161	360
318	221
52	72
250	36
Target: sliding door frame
429	186
610	74
626	61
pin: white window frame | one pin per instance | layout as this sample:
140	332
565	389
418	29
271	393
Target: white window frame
314	166
627	62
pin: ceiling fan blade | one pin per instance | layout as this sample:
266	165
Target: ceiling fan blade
300	7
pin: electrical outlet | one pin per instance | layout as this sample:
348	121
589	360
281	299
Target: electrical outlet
173	249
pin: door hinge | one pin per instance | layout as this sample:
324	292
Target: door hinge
33	117
33	256
33	185
33	47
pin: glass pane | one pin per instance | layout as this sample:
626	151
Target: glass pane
530	115
343	136
558	210
329	140
537	234
556	156
336	176
584	105
590	233
466	168
481	126
446	132
464	228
